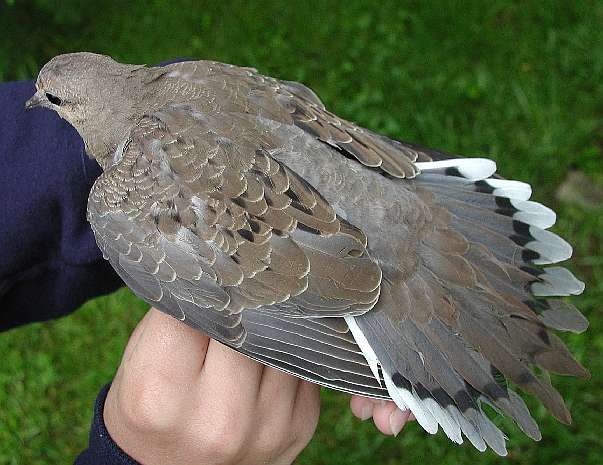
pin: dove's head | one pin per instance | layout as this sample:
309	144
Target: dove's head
100	97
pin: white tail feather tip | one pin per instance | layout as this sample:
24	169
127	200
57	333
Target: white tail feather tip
511	189
405	399
533	213
552	248
473	169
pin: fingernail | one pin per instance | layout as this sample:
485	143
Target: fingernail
367	411
397	420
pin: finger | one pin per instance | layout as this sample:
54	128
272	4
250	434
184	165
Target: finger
280	389
127	355
229	378
279	428
389	419
163	359
362	407
306	411
169	348
135	337
307	404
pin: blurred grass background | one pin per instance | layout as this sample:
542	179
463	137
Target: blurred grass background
521	82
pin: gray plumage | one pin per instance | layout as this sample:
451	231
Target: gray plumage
239	204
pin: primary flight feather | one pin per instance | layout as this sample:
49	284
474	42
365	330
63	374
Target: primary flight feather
239	204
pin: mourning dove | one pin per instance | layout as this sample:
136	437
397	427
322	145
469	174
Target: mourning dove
240	205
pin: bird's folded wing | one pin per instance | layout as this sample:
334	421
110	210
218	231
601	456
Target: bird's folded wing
321	350
200	220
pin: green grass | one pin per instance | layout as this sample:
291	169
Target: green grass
521	82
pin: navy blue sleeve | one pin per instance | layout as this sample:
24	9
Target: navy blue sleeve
102	450
49	261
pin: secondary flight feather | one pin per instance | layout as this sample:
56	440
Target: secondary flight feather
239	204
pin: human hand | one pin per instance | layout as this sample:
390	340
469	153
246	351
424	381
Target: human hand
388	418
180	397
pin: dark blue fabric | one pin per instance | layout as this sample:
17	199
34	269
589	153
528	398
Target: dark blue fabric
49	261
102	450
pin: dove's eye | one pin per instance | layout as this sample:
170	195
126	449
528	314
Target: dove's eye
53	99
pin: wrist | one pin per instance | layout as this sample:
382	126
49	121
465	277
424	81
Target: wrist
101	446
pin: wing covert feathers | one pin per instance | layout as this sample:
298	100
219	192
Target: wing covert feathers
217	223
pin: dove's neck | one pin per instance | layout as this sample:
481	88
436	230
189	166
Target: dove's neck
103	145
100	149
107	130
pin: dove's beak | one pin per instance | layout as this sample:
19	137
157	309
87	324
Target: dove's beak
38	100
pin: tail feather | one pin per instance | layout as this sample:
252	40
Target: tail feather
473	314
493	187
560	315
